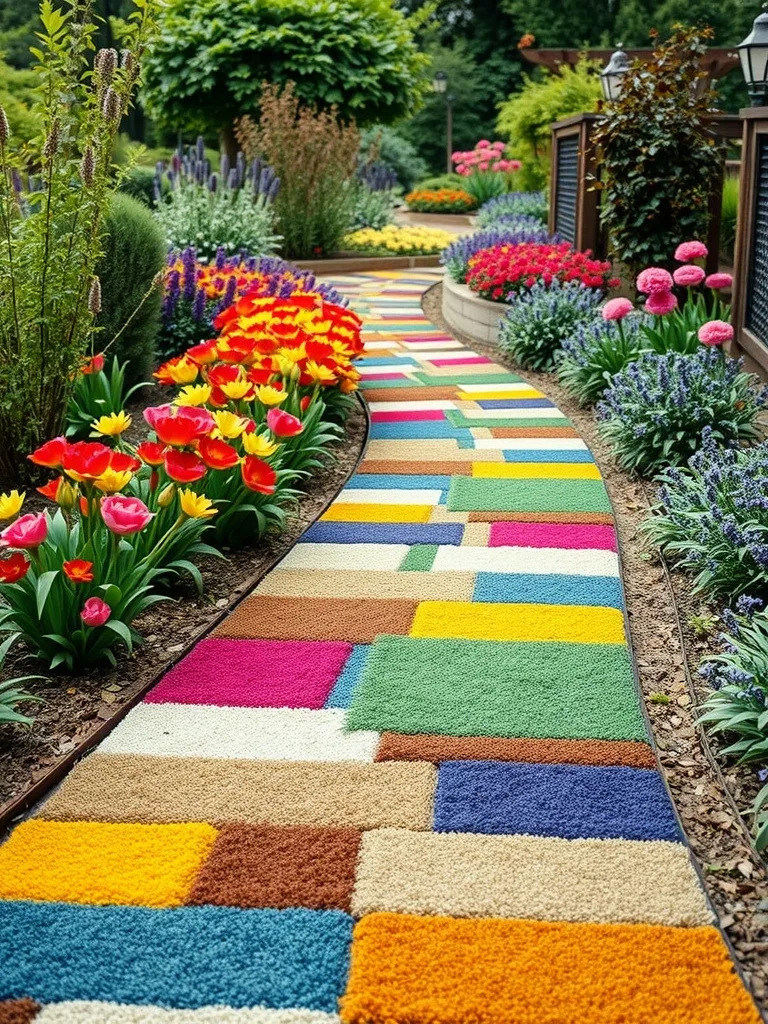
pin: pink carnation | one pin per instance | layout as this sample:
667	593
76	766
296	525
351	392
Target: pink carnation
482	144
689	276
514	165
718	281
462	169
660	303
687	251
616	309
716	332
654	279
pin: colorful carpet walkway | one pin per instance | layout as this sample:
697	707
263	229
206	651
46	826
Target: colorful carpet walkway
408	779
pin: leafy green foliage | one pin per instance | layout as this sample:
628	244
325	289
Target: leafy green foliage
658	123
212	56
134	253
17	97
712	518
12	693
50	240
525	117
139	183
440	181
374	208
656	410
388	146
594	353
729	213
541	318
97	394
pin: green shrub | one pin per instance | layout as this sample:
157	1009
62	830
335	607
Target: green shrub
139	183
134	252
541	318
17	97
525	118
659	122
386	145
440	181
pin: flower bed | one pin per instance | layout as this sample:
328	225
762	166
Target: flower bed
510	205
196	291
457	255
501	271
440	200
398	241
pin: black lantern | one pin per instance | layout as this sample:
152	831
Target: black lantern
440	82
753	53
612	75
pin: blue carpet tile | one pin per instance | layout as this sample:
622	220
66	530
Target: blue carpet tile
507	588
384	533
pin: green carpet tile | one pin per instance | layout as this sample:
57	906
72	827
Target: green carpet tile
478	494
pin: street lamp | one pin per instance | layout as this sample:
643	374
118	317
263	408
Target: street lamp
440	87
753	53
611	77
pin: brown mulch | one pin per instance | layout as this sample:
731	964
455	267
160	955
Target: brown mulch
76	706
706	795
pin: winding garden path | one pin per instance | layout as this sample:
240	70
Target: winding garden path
418	741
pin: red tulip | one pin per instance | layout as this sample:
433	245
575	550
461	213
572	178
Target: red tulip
78	570
282	424
217	454
258	475
178	426
50	453
184	467
14	568
223	374
86	460
51	489
203	353
94	365
95	612
120	462
151	453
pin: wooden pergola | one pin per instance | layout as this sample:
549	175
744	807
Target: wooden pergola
716	62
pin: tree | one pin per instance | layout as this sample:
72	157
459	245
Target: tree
211	58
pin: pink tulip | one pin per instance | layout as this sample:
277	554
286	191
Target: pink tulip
27	533
282	424
616	309
95	612
124	514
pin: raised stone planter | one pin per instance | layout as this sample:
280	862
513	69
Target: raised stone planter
466	312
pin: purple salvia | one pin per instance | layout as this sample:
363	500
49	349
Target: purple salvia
200	148
172	294
229	294
221	257
232	178
213	182
189	271
198	306
224	166
274	188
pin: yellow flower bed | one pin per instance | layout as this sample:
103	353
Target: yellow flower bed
398	241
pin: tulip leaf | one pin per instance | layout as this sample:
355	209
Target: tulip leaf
44	585
122	631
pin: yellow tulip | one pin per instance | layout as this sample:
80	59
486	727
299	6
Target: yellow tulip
229	424
268	395
113	425
183	372
236	389
166	496
320	374
113	480
193	395
10	504
257	444
196	506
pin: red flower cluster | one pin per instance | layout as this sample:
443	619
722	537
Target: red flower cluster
503	270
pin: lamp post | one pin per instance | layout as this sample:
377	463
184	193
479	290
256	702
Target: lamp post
753	53
440	87
611	77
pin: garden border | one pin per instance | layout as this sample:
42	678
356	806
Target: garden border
466	312
698	868
17	808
